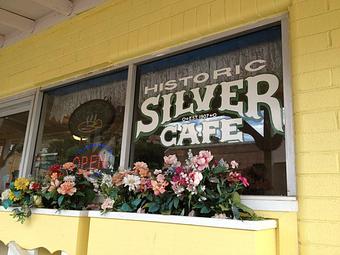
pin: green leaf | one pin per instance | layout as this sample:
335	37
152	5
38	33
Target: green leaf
205	210
113	193
60	200
219	169
236	198
176	202
126	208
48	195
224	208
219	189
136	202
236	212
245	208
80	194
153	207
7	203
171	204
149	197
17	194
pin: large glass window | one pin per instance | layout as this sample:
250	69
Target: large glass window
12	136
83	123
226	98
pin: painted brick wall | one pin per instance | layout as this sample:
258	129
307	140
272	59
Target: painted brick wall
119	30
315	44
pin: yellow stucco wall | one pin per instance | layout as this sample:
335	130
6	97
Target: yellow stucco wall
119	30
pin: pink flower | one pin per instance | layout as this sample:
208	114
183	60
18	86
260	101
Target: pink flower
67	188
142	169
69	166
107	204
244	181
234	164
54	185
170	160
237	177
158	187
160	178
197	178
202	160
54	176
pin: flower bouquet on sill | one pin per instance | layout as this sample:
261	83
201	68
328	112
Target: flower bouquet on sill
64	187
23	193
199	187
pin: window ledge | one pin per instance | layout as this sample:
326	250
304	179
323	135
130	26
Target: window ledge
44	211
187	220
268	203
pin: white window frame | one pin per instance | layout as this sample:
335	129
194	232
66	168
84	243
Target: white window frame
258	202
24	102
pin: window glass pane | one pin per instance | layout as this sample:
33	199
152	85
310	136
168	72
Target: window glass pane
12	136
226	98
83	123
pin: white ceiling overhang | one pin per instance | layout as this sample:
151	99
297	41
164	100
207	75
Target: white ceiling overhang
22	18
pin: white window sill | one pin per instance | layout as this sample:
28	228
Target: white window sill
55	212
271	203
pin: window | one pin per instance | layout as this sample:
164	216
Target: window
227	97
14	131
82	123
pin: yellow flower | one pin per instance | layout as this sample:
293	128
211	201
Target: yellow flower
21	183
13	197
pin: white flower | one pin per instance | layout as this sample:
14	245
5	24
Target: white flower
141	210
69	178
132	181
234	164
107	204
191	213
5	194
197	178
107	180
219	216
157	172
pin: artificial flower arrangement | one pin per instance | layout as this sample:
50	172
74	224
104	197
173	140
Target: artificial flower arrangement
63	187
24	193
199	187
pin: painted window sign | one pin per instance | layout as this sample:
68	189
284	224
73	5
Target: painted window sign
201	103
226	97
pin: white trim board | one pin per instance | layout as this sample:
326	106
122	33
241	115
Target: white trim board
54	212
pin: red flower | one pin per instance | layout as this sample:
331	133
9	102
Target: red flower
55	168
35	186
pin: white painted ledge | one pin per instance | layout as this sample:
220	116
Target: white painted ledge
55	212
271	203
186	220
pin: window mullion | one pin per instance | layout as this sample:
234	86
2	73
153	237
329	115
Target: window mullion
128	117
31	134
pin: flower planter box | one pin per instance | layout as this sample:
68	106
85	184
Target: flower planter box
48	228
147	234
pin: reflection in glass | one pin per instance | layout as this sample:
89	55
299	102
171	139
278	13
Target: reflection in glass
12	136
260	149
83	123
